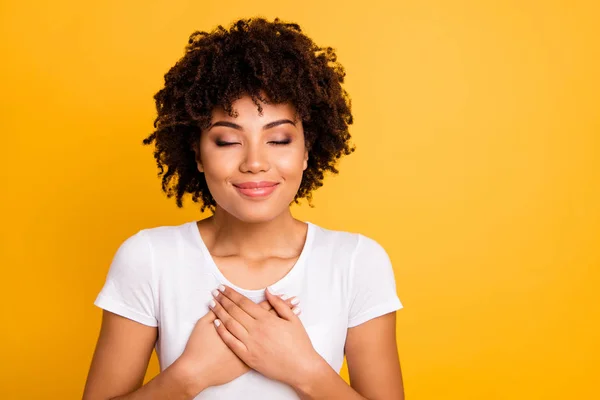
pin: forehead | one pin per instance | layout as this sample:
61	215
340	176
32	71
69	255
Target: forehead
247	110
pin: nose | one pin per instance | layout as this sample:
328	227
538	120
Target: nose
255	159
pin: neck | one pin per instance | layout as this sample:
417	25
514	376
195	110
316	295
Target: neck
226	235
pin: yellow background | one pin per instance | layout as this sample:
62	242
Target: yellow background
477	168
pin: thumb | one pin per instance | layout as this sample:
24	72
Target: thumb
281	307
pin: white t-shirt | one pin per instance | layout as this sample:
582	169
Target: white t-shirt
163	277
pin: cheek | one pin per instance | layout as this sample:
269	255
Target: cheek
218	163
290	165
218	170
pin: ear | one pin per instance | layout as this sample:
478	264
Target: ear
305	164
196	149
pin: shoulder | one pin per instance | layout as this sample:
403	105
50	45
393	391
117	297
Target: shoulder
142	246
336	241
165	231
167	237
341	240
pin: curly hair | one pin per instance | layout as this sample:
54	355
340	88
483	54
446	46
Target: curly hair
272	62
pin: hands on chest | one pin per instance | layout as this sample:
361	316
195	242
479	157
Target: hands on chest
237	335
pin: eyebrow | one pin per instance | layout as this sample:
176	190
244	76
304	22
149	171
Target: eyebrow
239	128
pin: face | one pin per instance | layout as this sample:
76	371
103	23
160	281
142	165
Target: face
253	164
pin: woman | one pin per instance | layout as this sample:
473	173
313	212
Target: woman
248	122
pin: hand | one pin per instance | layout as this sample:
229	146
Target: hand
207	358
277	346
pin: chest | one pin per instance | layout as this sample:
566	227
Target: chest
254	275
185	293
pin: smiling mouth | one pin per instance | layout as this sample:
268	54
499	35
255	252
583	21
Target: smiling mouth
255	185
256	189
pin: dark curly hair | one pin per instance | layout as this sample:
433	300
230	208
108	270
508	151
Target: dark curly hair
272	62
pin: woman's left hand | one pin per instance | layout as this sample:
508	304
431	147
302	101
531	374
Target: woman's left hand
276	346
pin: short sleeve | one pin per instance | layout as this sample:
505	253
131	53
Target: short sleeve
372	283
129	287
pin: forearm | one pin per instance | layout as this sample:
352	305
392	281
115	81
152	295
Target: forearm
322	382
171	384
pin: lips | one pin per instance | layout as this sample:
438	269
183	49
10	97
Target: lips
256	189
255	185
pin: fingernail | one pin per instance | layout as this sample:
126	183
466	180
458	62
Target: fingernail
284	297
295	301
217	322
296	310
212	303
221	288
215	293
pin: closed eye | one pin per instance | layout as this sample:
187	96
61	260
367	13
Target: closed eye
281	142
221	143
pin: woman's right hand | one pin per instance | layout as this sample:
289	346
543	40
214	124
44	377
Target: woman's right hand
206	360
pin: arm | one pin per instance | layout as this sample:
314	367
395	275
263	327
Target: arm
324	383
373	364
120	361
372	357
124	349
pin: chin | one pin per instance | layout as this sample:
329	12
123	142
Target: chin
254	215
256	211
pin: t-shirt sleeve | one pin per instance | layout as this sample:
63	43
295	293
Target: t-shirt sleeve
372	283
129	288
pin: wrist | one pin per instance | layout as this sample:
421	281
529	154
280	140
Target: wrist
308	378
188	378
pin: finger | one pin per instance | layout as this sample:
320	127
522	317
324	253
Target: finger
233	326
233	310
267	306
289	303
288	300
244	303
237	346
274	312
282	308
209	317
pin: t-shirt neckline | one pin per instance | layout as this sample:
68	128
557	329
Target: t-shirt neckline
255	293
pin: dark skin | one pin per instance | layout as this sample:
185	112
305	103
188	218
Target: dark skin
218	69
279	348
272	236
124	348
256	240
